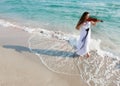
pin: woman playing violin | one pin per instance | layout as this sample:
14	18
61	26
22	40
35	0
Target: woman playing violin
84	24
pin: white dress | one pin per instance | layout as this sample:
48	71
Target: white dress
83	43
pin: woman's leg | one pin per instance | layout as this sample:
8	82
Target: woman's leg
88	55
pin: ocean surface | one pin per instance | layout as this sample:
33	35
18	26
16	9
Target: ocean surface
64	14
52	27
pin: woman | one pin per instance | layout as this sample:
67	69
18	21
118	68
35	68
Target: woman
84	25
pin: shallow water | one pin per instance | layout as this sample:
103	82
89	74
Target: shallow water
57	53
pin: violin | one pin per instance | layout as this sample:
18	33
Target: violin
94	19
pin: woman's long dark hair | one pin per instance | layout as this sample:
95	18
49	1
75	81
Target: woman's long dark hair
82	19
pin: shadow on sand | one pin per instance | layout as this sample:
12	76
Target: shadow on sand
48	52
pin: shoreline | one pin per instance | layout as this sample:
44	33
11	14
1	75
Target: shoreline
21	67
30	27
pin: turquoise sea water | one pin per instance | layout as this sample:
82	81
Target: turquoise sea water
64	14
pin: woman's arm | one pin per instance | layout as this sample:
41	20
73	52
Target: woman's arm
94	22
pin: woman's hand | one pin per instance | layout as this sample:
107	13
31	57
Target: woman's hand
93	23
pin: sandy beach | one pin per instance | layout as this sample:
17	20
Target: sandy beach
20	67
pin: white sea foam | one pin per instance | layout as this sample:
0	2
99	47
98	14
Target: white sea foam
55	52
5	23
55	49
95	44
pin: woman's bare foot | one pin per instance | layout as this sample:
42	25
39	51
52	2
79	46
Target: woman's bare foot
88	55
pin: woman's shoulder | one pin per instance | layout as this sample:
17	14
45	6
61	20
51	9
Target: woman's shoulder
87	22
